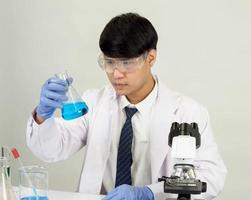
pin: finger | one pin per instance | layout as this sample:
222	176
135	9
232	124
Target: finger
57	81
50	103
47	109
110	196
69	80
55	96
56	87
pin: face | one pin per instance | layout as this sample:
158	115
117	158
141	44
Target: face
134	84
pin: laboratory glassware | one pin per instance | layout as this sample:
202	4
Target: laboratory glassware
74	107
6	192
33	183
5	153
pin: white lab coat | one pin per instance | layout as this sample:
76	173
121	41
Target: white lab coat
57	139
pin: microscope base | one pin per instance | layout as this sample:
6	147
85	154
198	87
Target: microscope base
165	196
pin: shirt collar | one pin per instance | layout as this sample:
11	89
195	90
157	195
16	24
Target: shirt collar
145	105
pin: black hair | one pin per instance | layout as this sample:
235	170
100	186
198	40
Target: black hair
128	35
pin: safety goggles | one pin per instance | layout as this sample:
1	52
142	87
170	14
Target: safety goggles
124	65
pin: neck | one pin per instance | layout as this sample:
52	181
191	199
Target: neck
143	92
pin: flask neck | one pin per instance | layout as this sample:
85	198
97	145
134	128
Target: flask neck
4	163
4	167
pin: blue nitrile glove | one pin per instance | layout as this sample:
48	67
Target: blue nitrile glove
127	192
52	95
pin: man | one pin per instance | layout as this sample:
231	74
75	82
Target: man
126	129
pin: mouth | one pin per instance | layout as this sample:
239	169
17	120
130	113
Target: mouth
119	86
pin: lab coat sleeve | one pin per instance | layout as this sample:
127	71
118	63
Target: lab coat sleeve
56	139
209	166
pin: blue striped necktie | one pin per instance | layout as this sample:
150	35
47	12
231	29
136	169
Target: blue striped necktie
124	159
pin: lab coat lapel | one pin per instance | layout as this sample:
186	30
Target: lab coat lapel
98	147
162	118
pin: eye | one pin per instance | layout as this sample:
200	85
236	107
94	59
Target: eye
109	61
125	62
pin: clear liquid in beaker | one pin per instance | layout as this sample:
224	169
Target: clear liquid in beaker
33	183
35	198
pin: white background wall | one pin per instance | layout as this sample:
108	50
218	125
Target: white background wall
204	51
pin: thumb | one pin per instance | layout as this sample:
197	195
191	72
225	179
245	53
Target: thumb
69	80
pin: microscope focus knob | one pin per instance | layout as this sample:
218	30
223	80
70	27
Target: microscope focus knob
204	187
175	125
195	126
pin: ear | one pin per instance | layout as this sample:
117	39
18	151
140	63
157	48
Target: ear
151	56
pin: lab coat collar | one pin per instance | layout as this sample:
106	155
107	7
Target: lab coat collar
144	106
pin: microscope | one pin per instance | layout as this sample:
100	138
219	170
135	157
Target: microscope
184	139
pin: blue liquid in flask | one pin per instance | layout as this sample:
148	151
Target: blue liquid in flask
74	110
35	198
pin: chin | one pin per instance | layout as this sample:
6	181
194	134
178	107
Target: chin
121	92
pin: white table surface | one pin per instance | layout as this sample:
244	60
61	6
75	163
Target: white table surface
60	195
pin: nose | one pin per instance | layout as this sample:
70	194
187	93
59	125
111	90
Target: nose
117	74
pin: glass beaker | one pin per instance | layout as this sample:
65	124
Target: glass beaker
5	153
33	183
6	192
74	107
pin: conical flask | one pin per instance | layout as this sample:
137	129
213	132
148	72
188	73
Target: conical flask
6	192
74	107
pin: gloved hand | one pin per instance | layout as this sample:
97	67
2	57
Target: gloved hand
127	192
51	97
